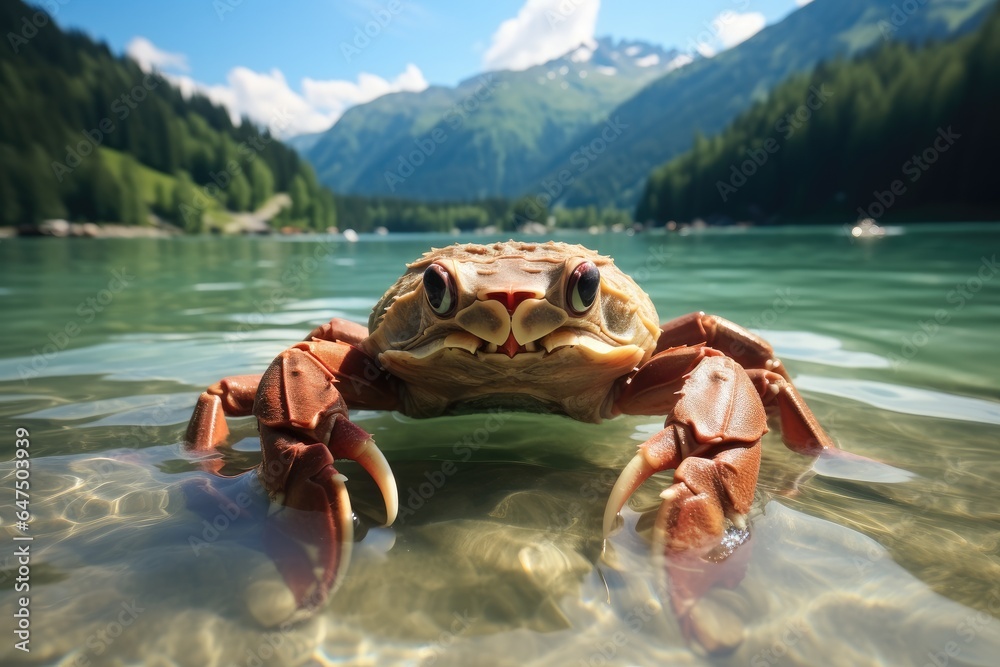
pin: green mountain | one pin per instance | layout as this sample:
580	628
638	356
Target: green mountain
901	133
89	136
488	135
666	117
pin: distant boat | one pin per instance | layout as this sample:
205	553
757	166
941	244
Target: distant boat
867	229
350	235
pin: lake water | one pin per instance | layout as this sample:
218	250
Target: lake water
105	345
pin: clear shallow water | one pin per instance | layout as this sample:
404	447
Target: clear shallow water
503	563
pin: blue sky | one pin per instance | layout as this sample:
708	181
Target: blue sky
258	55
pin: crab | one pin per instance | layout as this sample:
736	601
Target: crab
547	327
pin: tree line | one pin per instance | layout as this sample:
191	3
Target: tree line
902	133
366	214
86	135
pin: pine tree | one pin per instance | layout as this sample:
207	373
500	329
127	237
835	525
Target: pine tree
239	193
107	192
261	183
186	210
300	196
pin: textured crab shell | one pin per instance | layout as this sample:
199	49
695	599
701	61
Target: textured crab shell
625	302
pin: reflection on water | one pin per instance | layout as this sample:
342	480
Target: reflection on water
502	562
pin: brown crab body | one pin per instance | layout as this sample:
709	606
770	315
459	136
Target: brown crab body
510	335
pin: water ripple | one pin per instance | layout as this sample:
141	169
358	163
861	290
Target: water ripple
907	400
820	349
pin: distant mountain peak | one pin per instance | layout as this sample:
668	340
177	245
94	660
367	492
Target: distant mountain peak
505	135
622	54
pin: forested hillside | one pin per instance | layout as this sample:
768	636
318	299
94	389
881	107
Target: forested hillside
86	135
707	95
902	132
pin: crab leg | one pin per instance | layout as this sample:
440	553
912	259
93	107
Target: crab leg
799	429
301	409
748	349
339	330
231	396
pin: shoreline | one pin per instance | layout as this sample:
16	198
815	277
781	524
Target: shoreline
65	229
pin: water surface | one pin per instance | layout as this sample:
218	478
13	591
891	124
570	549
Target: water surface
105	344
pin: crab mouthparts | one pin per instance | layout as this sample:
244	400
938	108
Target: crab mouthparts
589	347
511	346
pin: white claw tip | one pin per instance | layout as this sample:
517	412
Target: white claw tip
635	473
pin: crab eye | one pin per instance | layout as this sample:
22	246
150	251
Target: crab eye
440	289
581	289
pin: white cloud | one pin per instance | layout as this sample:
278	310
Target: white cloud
728	29
678	61
268	100
334	97
648	61
802	3
733	28
541	31
149	57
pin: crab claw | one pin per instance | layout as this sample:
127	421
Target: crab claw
309	536
310	528
658	453
350	441
700	525
692	574
631	478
